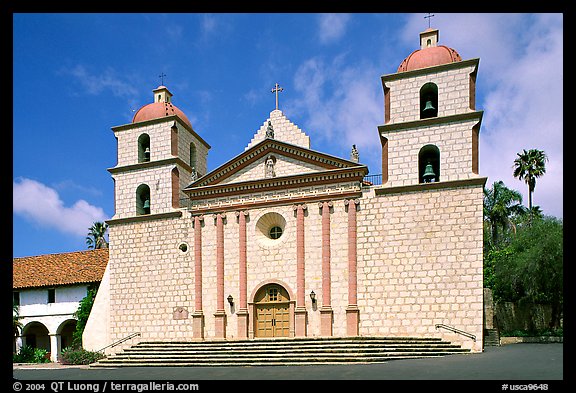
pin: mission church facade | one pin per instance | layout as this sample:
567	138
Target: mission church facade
286	241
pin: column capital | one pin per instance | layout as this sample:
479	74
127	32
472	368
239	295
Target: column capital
299	206
329	203
245	213
356	201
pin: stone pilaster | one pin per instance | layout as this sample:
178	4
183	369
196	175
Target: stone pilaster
242	313
220	314
198	314
326	313
300	313
352	311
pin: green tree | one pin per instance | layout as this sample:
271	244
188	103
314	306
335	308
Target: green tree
530	267
500	205
16	324
82	314
97	235
528	166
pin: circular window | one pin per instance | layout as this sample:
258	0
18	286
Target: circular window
183	247
270	228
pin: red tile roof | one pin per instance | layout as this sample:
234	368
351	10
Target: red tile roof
78	267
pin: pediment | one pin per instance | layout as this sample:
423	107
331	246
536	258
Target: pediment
286	160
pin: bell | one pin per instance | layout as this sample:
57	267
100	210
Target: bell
146	205
429	109
147	154
429	174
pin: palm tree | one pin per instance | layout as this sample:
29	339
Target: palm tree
500	204
96	236
530	165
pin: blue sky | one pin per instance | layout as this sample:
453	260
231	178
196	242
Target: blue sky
77	75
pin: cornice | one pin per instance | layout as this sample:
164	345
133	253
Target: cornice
278	183
472	182
144	217
150	164
130	126
427	70
460	117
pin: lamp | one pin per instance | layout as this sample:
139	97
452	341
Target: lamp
230	300
313	297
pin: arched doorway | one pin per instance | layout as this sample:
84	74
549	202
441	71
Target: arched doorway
66	331
272	314
36	336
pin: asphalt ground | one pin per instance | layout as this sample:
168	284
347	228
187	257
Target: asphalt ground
509	367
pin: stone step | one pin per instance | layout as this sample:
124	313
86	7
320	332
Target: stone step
279	352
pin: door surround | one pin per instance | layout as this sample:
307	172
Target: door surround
252	306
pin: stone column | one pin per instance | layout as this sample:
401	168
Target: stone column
242	312
54	346
352	311
198	314
300	313
326	314
220	315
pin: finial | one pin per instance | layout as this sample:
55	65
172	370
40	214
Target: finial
429	17
276	90
161	76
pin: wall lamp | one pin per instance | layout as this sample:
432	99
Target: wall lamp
313	297
230	300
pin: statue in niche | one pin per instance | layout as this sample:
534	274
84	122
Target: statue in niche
270	130
270	167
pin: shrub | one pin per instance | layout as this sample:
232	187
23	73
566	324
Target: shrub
28	354
80	356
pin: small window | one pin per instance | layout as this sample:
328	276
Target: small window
16	298
144	148
275	232
52	295
273	294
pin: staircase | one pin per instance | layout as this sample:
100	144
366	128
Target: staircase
279	352
491	338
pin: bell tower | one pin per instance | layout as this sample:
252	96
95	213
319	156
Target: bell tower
431	125
159	154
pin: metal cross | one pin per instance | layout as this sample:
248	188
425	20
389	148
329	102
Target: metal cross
161	76
429	17
276	90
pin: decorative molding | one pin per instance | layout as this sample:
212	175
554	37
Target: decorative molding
150	164
431	121
144	217
477	181
429	70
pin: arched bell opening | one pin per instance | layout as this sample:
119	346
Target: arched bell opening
143	199
144	148
429	164
428	101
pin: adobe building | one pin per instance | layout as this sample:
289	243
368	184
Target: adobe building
286	241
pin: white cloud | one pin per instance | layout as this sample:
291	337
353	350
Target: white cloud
97	83
342	104
43	206
332	27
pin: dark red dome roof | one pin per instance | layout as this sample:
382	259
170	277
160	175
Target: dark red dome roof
429	57
157	110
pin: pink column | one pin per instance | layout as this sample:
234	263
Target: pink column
300	313
242	312
326	315
198	315
220	315
352	311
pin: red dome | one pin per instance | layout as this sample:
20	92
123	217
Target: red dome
157	110
429	57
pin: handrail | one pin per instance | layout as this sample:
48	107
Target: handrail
120	341
453	329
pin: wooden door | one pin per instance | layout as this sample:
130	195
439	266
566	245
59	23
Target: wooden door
272	312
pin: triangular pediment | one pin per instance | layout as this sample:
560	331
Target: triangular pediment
270	159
